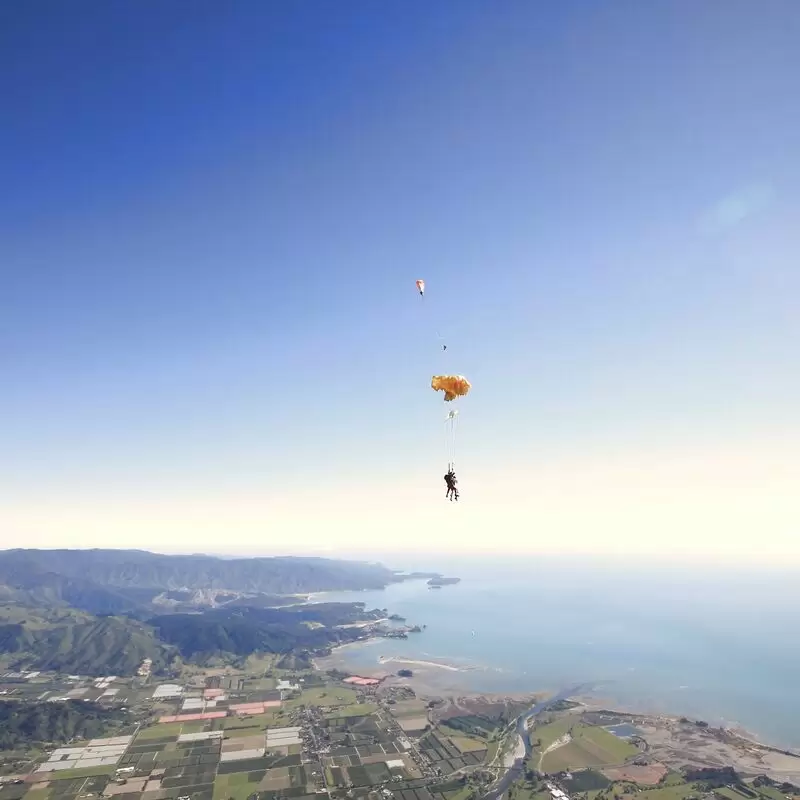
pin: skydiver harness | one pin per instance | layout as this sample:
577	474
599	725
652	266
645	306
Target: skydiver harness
451	481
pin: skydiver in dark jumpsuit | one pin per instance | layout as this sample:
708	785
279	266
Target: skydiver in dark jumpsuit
451	481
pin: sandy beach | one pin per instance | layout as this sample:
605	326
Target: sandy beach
409	661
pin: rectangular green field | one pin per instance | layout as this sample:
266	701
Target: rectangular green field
259	684
466	744
194	727
570	756
297	776
243	733
547	734
245	765
359	710
768	792
408	708
259	721
675	792
324	696
13	792
87	772
161	730
606	745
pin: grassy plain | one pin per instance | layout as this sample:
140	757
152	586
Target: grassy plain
324	696
590	747
678	791
160	731
547	734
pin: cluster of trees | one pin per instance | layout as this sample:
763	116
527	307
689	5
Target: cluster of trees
25	724
713	777
785	787
475	724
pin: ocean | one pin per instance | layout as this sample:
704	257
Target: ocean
711	643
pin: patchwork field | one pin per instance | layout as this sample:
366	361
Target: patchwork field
447	756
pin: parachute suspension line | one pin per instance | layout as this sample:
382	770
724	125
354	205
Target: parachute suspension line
454	432
450	431
447	445
425	314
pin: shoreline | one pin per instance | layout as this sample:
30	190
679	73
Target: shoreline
433	680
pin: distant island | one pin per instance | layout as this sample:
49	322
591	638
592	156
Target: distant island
439	581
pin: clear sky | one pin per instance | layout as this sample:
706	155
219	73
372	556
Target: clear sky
212	216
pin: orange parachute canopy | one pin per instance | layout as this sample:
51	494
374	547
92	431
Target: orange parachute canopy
421	286
452	385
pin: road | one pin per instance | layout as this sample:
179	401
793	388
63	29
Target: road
516	771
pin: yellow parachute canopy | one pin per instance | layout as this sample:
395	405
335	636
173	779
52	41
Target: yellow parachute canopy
452	385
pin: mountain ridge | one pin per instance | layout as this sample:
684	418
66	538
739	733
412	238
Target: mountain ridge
104	611
120	579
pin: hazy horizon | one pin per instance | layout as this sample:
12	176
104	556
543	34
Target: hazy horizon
212	224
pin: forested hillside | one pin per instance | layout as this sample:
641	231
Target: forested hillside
104	646
247	630
98	612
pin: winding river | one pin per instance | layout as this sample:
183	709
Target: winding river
516	771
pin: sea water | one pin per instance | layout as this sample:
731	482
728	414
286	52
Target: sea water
718	644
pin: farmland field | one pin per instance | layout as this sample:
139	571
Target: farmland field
547	734
235	785
255	722
409	708
467	745
590	747
160	731
325	696
677	791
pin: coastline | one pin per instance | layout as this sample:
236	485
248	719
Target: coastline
451	664
438	680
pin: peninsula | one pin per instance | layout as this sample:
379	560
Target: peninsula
440	581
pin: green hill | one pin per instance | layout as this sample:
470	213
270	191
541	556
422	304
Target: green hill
108	645
85	611
24	724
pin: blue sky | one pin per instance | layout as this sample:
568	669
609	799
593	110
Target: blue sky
213	216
